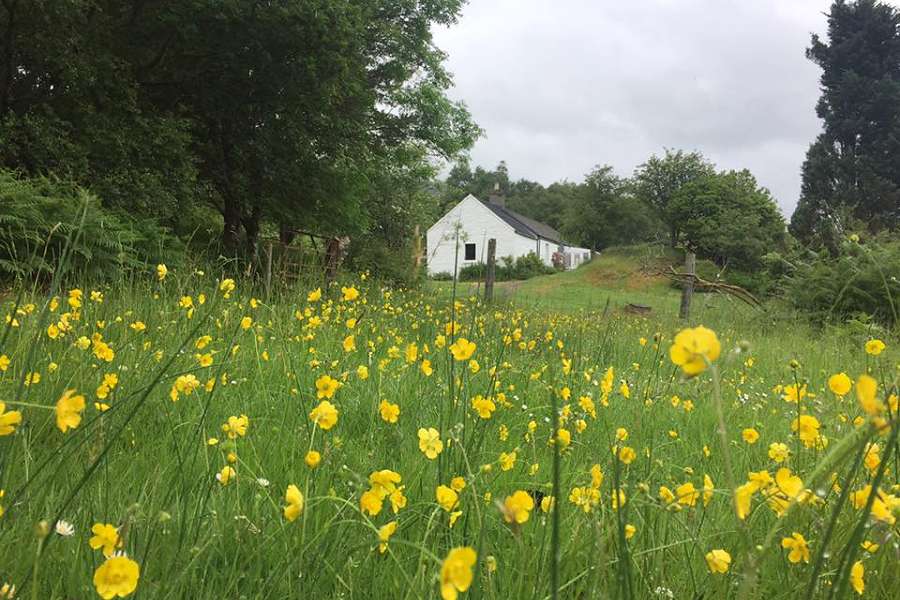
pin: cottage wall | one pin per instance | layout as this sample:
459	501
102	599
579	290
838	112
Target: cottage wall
476	224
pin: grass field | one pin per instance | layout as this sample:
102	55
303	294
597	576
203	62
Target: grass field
202	406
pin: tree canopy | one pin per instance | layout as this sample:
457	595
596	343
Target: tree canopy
285	111
728	218
852	169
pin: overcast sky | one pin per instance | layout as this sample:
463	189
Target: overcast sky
562	85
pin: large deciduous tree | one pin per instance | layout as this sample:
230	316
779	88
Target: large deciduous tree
606	213
852	170
658	180
290	111
727	218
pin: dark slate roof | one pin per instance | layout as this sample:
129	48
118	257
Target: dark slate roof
525	226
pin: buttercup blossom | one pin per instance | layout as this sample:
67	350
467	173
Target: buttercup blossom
68	410
9	420
462	349
325	415
105	538
694	348
517	508
839	384
430	442
294	499
456	572
875	347
117	577
799	549
718	561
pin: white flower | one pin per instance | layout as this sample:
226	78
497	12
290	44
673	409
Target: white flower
64	528
262	481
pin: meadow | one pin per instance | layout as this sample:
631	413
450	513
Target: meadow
177	435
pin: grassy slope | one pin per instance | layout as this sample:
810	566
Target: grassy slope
632	274
618	276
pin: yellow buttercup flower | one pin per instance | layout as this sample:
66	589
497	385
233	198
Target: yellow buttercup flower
799	549
236	426
694	349
430	442
326	386
384	534
294	498
485	407
105	538
456	572
227	287
390	412
117	577
779	452
462	349
875	347
857	574
161	271
312	459
807	427
8	420
349	294
718	561
867	396
839	384
517	508
446	497
225	476
325	415
507	460
68	410
371	502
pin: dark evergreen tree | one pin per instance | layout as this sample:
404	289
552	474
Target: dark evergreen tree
852	170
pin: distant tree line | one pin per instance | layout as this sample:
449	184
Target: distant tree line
228	118
679	199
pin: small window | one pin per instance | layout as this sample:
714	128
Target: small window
470	251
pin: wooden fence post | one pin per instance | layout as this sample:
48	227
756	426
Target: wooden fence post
269	271
490	271
690	263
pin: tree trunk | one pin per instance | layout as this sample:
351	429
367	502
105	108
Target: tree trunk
334	255
231	232
286	234
690	263
251	228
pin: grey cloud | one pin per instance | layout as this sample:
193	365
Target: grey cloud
560	86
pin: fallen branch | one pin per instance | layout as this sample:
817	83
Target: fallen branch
716	286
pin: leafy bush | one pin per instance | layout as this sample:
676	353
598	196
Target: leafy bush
860	282
40	216
523	267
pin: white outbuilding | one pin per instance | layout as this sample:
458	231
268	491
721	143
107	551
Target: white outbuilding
467	227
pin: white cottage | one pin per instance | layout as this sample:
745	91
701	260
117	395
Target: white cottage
475	222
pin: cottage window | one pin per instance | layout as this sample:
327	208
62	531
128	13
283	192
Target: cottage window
470	251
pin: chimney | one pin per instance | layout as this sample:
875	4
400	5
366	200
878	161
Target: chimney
495	197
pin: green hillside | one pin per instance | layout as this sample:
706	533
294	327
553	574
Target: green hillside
619	276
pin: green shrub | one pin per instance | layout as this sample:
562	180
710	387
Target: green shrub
507	269
40	216
860	282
